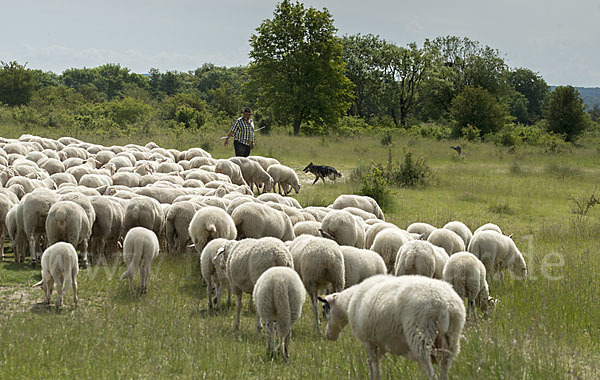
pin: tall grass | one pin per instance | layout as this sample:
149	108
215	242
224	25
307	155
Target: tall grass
545	327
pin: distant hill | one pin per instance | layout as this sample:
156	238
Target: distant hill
590	95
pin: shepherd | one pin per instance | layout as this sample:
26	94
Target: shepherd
242	131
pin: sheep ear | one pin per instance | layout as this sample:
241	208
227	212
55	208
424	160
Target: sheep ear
211	228
38	284
191	245
325	234
510	236
219	251
322	299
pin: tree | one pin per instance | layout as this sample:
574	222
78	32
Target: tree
566	112
296	66
476	107
533	87
595	113
16	84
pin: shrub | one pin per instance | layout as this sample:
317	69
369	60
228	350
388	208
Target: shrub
374	185
413	171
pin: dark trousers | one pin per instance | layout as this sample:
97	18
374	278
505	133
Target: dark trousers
241	150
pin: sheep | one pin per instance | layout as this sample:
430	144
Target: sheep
362	202
461	230
364	215
255	220
16	234
60	178
254	174
285	177
143	212
247	260
307	228
68	222
422	258
140	247
423	229
488	226
447	239
387	243
51	165
360	264
209	223
230	169
278	297
59	266
106	230
33	211
264	162
467	275
497	252
126	179
5	206
210	263
177	222
413	316
375	229
320	263
292	212
95	180
342	227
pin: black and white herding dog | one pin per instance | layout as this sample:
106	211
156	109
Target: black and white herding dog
322	171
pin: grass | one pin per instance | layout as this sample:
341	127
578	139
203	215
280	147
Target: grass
545	327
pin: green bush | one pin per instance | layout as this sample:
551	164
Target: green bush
374	185
438	132
413	171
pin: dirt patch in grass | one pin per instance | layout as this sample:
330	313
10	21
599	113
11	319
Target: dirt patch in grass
17	299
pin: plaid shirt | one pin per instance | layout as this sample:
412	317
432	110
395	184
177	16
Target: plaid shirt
243	131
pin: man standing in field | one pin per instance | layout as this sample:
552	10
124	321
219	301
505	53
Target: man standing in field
243	134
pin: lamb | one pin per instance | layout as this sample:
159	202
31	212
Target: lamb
255	220
447	239
497	252
360	264
387	243
209	223
59	266
279	295
422	258
211	259
423	229
140	247
467	275
247	260
68	222
413	316
285	177
342	227
461	230
362	202
320	263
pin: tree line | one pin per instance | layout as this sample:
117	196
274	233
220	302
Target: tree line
303	75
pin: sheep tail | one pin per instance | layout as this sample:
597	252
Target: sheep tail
282	307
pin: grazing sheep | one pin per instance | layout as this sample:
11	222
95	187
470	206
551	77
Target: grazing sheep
364	215
360	264
106	230
230	169
140	247
466	273
488	227
33	210
307	228
143	212
278	296
16	234
177	223
264	162
209	223
413	316
59	266
68	222
375	229
461	230
387	243
247	260
210	262
423	229
422	258
342	227
497	252
447	239
285	177
255	220
254	174
320	263
359	201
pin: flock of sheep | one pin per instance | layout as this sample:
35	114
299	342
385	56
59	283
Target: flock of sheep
401	290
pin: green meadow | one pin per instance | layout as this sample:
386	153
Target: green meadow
544	327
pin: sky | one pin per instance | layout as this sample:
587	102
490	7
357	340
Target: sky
558	39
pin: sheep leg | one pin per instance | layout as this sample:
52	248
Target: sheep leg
33	241
59	291
472	308
374	356
49	288
427	366
315	306
269	338
84	252
145	273
238	311
258	324
74	285
208	288
286	344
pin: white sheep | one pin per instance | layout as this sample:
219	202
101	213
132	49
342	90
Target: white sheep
209	264
307	228
497	252
423	229
285	177
140	247
447	239
264	162
461	230
375	229
467	275
362	202
341	226
320	263
230	169
255	220
422	258
488	227
413	316
209	223
254	174
360	264
59	266
247	260
387	243
68	222
278	297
